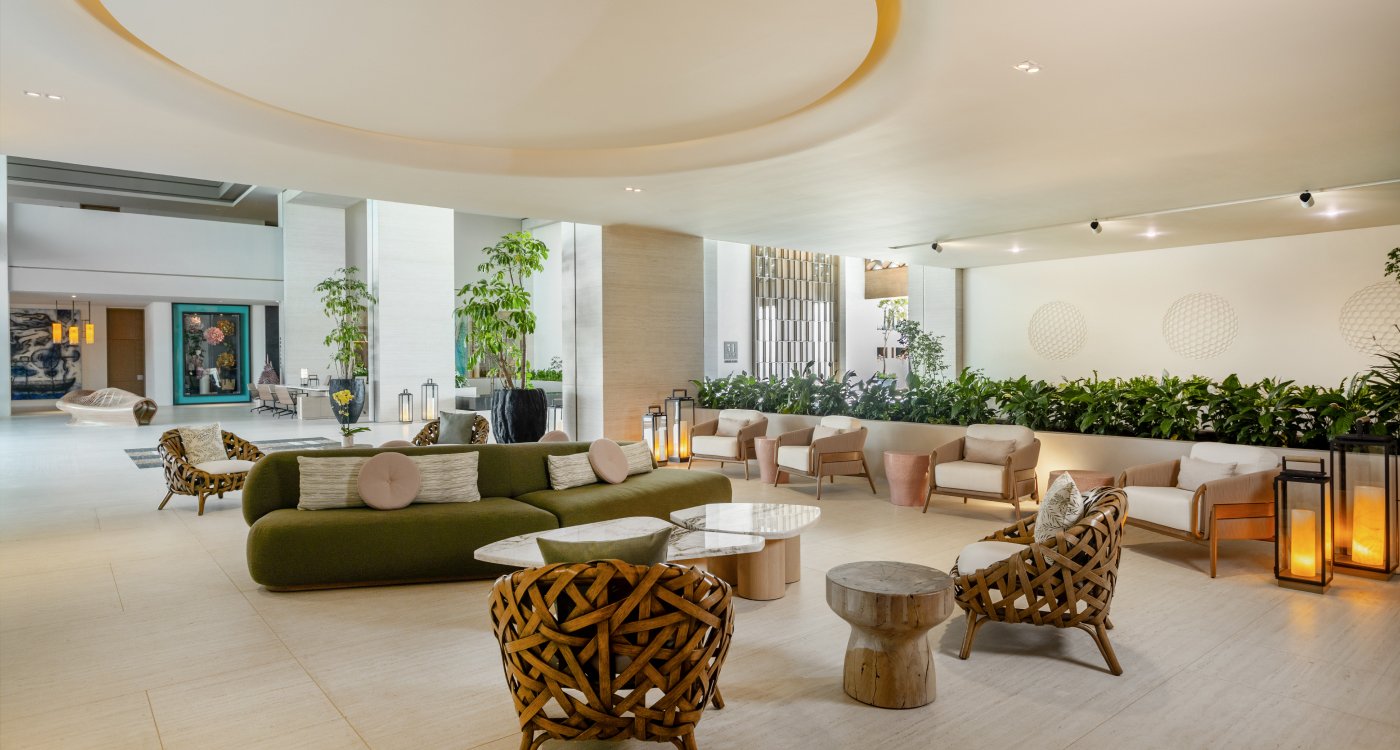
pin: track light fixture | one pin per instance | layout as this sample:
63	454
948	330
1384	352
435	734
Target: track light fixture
937	248
1096	226
1306	198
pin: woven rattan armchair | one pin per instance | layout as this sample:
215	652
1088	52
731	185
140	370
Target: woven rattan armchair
184	478
611	651
481	430
1066	583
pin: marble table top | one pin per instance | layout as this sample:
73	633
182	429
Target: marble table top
686	544
768	520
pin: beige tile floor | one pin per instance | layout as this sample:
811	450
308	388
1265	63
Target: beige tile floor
126	627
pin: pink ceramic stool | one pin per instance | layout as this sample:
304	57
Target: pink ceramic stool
907	474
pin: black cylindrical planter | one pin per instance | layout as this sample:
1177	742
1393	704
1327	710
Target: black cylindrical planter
349	413
519	416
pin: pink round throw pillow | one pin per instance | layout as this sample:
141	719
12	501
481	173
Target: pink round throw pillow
389	481
396	444
608	460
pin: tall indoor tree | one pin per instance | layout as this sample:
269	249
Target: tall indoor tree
346	300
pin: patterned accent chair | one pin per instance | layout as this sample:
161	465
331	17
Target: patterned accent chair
210	477
610	651
1009	481
834	448
481	432
1066	582
728	438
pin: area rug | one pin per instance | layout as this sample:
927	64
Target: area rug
148	458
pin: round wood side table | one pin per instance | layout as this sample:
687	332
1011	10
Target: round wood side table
907	474
766	452
890	606
1084	479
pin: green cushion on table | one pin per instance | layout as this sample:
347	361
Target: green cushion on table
656	494
648	549
359	545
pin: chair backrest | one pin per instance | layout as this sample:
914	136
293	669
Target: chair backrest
1023	436
283	395
481	432
841	423
1246	458
621	651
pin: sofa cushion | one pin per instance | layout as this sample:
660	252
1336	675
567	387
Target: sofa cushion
1248	459
448	478
983	451
656	494
225	466
970	476
1194	472
607	461
389	481
328	483
1164	506
714	445
456	427
841	423
1022	435
570	471
795	457
202	443
638	458
647	549
979	555
361	545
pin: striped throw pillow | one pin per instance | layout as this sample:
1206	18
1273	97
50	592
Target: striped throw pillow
570	471
328	483
448	478
638	458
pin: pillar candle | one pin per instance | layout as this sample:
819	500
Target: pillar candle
1302	536
1368	526
684	451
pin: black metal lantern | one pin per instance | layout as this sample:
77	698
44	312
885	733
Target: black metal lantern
430	400
1363	497
654	425
1302	525
678	424
405	406
315	379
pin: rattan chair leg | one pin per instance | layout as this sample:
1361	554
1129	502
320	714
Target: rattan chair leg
686	742
1101	639
201	503
168	495
1107	623
972	625
717	700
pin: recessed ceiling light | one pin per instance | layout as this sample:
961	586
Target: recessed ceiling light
632	189
1015	248
1150	234
54	97
1027	66
34	94
1333	213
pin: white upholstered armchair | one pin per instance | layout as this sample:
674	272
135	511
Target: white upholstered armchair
728	438
834	448
992	462
1218	491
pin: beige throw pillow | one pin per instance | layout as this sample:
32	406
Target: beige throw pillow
822	431
1062	508
981	451
730	426
638	458
448	478
570	471
204	442
1195	472
328	483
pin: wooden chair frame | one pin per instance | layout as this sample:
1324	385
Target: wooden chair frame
1067	582
182	478
830	456
583	644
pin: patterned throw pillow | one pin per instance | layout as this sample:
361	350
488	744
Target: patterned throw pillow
328	483
1062	508
203	442
448	478
570	471
638	458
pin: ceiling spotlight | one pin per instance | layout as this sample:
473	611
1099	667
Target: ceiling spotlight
34	94
1150	234
1027	66
1306	199
632	189
1332	213
1096	226
937	248
1015	248
54	97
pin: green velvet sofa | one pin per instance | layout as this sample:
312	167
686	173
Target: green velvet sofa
291	549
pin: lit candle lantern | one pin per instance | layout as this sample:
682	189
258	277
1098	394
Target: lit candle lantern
305	376
680	410
684	429
1302	557
655	429
405	406
1368	526
1365	474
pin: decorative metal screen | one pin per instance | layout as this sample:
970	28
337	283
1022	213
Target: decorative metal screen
795	310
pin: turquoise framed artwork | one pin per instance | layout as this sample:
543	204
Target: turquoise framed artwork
211	353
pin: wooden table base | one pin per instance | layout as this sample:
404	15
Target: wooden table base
889	668
761	575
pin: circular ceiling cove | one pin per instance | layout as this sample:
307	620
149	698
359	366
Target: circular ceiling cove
527	74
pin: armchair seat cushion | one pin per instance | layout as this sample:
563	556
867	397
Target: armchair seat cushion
226	466
1164	506
979	555
968	475
714	445
795	457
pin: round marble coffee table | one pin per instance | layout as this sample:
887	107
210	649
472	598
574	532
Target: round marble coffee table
522	551
758	575
891	606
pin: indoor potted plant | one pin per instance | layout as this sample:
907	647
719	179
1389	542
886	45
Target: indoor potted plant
497	310
346	299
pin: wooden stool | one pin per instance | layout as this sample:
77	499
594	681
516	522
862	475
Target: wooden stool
890	606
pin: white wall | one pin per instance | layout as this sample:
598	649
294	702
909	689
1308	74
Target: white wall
935	301
547	298
1287	295
861	320
728	306
583	331
410	255
90	253
160	379
471	233
313	239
